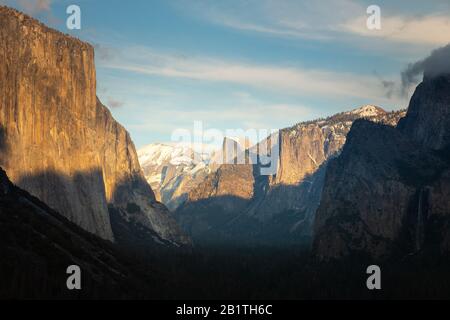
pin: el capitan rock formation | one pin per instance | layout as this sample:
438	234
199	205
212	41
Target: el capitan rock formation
59	142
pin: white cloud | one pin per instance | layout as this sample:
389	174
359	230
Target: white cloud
323	20
245	115
289	80
287	18
433	30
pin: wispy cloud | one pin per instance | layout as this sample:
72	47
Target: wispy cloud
30	6
289	18
433	29
113	103
343	20
103	53
290	80
255	115
35	6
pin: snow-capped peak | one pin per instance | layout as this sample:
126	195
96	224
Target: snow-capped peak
158	154
368	111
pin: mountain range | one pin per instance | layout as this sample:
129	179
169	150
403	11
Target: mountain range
73	189
234	203
174	169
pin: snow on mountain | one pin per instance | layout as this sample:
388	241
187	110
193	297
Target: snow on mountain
368	111
173	168
237	204
158	154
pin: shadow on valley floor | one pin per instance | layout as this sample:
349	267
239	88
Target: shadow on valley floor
37	244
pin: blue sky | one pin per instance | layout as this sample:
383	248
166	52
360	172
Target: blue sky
262	64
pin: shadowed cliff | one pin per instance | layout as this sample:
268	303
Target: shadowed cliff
3	146
235	220
388	193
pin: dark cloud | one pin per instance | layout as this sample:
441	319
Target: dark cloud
114	104
104	53
390	87
436	64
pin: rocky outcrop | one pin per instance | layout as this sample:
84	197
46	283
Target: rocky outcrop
387	194
59	142
428	119
239	204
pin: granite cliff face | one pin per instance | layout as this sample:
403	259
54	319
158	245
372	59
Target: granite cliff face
428	119
59	142
238	204
388	192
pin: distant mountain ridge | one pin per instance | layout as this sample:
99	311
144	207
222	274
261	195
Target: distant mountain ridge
238	204
174	169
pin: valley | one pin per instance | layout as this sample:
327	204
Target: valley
357	188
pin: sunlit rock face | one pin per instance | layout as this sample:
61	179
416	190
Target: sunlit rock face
58	141
388	193
239	204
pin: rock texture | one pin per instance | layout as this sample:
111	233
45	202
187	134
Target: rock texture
59	142
387	194
237	203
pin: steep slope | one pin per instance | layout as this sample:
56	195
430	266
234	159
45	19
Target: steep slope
388	193
59	142
37	244
239	204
